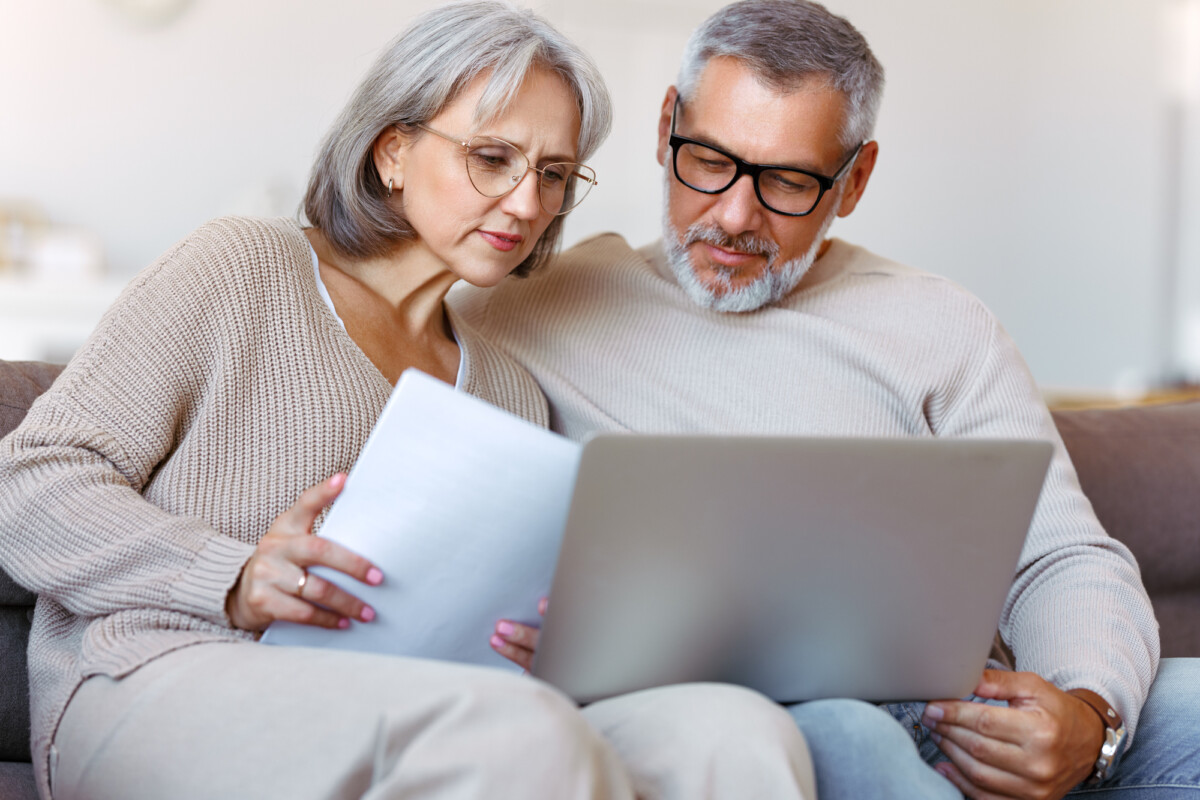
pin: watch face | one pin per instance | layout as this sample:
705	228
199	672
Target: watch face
1113	738
1109	748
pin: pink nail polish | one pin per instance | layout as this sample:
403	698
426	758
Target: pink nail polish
367	614
505	628
374	576
497	642
343	623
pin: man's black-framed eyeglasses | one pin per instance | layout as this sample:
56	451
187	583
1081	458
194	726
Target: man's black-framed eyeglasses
785	190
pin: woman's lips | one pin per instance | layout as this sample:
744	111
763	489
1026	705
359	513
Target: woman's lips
500	240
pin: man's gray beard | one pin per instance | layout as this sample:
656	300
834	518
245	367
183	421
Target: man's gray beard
775	282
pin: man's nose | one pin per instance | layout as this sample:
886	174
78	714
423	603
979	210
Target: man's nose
737	209
522	202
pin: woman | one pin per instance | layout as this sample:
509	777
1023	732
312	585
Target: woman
147	495
150	497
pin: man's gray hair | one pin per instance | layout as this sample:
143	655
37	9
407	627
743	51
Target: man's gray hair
788	43
419	73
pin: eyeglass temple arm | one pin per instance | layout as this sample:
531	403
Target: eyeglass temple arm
850	160
445	136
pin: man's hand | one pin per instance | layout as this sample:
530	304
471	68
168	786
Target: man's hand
1040	747
517	642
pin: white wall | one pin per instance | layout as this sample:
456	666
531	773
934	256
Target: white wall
1023	142
1028	138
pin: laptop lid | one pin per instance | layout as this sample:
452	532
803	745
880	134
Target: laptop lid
799	567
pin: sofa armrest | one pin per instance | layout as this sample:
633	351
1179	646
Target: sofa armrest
20	384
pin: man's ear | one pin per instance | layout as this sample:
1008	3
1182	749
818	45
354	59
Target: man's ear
664	125
856	181
389	153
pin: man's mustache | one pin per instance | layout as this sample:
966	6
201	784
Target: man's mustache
745	243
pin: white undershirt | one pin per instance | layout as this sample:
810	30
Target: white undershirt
324	292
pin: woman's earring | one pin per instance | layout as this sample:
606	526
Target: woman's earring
390	181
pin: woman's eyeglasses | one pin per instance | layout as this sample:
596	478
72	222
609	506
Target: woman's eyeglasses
496	167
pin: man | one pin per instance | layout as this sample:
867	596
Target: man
745	318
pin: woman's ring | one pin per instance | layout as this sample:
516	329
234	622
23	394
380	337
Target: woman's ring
300	584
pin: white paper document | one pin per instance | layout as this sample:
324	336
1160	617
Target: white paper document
462	505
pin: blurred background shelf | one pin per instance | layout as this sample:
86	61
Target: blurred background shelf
49	320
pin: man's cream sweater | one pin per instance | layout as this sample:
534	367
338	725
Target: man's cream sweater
217	388
865	347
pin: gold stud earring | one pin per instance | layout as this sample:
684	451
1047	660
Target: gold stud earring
390	181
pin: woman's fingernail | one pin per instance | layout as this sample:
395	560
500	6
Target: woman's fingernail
497	642
337	480
937	737
505	628
367	614
374	576
934	712
343	623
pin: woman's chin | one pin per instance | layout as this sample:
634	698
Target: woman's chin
489	270
483	278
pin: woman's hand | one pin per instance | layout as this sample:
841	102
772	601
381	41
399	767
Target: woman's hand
275	583
518	642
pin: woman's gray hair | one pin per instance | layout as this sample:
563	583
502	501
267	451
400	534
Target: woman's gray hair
787	43
423	70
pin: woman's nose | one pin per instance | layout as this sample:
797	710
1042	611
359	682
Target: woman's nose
522	202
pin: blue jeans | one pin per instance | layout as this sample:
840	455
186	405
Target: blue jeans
859	750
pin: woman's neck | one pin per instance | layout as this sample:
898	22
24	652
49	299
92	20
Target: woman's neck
392	308
411	287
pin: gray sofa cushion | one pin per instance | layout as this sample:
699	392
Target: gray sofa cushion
14	685
20	384
13	595
1140	467
16	782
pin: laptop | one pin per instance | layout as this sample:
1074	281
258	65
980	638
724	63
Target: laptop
799	567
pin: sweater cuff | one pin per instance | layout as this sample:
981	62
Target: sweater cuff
201	590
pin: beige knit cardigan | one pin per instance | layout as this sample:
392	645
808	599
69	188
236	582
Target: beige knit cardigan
217	388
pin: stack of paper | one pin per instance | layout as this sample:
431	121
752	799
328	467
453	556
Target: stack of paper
462	506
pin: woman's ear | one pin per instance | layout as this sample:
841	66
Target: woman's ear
390	151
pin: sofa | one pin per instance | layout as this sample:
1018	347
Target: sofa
1139	466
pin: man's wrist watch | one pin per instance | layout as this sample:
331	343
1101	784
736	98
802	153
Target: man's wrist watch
1114	733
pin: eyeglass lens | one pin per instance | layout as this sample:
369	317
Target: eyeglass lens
495	167
785	190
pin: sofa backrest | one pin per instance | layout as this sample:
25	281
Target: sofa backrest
1140	468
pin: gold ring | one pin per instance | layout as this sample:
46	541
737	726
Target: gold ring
300	584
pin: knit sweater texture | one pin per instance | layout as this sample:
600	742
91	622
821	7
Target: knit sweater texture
216	389
864	347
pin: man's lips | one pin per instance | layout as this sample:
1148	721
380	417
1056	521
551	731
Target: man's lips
733	259
500	240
